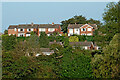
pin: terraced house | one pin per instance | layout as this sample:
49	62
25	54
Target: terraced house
26	29
81	29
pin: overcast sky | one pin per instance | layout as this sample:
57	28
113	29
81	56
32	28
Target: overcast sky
48	12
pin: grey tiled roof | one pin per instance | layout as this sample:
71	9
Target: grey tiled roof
80	43
50	43
49	26
34	26
46	50
12	26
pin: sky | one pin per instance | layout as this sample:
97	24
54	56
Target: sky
47	12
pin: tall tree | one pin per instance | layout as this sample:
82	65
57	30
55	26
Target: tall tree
8	42
76	19
43	40
6	32
108	64
110	18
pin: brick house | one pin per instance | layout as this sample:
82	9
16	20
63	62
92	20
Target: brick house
26	29
85	45
81	29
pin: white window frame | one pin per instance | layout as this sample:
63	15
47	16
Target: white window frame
51	29
89	34
41	29
89	29
82	29
14	29
20	29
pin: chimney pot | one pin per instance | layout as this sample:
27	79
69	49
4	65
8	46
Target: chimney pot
32	23
52	23
54	40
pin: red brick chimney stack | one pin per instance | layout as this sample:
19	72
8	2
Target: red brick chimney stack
54	40
85	40
52	23
32	23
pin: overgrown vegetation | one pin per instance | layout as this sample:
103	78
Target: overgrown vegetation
19	61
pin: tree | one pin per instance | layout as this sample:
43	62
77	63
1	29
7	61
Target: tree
111	20
15	66
8	42
43	40
6	32
73	39
29	47
107	65
74	65
76	19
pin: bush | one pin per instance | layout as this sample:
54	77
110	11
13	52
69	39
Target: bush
73	39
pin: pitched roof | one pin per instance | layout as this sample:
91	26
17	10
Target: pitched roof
71	26
46	50
34	26
60	43
12	26
80	43
49	25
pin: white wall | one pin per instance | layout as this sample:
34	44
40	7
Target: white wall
27	35
76	31
41	29
51	29
71	31
19	29
19	34
89	29
89	34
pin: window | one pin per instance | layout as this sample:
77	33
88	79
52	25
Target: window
51	29
41	29
21	29
29	29
89	29
84	29
89	34
83	34
15	29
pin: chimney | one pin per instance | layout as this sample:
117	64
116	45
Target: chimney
54	40
52	23
85	40
32	23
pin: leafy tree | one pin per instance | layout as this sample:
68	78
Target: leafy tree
110	17
97	22
29	47
76	19
74	65
107	65
73	39
8	42
43	40
6	32
15	66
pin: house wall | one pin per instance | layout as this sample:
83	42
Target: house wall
12	31
18	32
80	30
